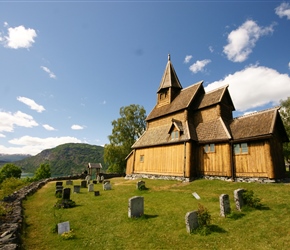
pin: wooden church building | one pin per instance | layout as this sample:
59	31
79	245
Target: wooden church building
191	133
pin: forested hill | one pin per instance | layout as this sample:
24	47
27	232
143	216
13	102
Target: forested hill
66	159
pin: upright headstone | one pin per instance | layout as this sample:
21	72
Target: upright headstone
238	196
191	221
107	186
91	187
225	207
84	184
58	183
69	182
97	193
98	179
66	194
63	227
59	188
136	207
140	184
102	179
88	178
77	188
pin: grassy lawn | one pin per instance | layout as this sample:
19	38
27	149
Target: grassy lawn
101	222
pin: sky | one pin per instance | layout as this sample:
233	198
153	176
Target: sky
67	67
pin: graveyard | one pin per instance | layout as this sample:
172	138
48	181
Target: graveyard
104	215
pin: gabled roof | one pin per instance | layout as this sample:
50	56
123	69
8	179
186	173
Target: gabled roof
216	96
182	101
94	165
169	78
258	124
214	130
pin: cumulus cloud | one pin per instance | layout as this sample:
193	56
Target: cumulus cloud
48	127
50	73
283	10
9	120
19	37
77	127
242	40
289	65
254	87
2	136
31	103
34	145
199	65
187	58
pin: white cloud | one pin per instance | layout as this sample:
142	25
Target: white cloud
242	40
50	73
9	120
34	145
2	136
48	127
289	65
283	10
211	49
19	37
199	65
187	58
255	86
32	104
77	127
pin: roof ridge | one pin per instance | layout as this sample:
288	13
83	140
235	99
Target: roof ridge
221	87
200	82
257	112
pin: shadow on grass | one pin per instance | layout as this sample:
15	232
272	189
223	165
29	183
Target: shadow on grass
235	215
145	217
216	229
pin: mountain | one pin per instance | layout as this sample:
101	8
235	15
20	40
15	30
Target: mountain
5	158
65	159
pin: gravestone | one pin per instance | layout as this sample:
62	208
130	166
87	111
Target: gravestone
238	196
136	207
140	184
191	221
84	184
66	194
69	182
58	183
225	207
95	182
98	179
196	196
107	186
97	193
77	188
63	227
91	187
106	181
59	188
88	179
102	179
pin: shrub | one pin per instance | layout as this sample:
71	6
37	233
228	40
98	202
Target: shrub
204	219
62	203
251	200
68	235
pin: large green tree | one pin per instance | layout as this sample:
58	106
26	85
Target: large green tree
126	130
285	115
9	170
42	172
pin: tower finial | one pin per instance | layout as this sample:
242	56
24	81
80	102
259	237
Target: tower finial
168	57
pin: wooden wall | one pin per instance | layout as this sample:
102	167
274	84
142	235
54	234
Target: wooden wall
215	163
130	163
256	163
161	160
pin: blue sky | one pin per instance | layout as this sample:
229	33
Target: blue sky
68	66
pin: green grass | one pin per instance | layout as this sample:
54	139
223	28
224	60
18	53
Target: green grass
101	222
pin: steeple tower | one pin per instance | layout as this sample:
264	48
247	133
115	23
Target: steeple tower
169	86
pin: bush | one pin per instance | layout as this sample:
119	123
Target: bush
251	200
204	220
62	203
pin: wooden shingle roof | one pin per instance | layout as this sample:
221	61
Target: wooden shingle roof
182	101
259	124
94	165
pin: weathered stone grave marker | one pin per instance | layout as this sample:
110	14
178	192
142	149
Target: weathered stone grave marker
140	185
238	196
225	207
97	193
107	186
58	183
91	187
77	188
66	194
196	196
69	182
84	184
136	207
191	221
63	227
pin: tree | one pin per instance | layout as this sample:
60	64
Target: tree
9	170
285	115
126	130
42	172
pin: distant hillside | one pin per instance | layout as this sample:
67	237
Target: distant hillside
66	159
5	158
